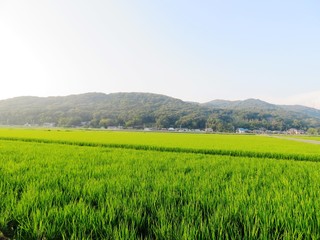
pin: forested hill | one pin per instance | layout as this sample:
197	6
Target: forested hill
256	104
140	110
241	105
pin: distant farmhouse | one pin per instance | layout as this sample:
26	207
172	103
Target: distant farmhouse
242	130
294	131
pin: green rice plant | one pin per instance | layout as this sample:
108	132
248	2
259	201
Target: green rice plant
219	142
62	191
223	152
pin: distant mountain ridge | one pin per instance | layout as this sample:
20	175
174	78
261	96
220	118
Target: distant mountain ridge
262	105
244	104
139	110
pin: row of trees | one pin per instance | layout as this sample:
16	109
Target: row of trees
218	120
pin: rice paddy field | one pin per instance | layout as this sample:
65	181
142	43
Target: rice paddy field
74	184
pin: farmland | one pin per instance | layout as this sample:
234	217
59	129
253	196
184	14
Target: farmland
63	184
317	138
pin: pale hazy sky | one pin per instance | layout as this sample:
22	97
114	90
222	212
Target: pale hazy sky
192	50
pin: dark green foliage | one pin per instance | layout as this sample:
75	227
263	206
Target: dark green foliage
139	110
255	114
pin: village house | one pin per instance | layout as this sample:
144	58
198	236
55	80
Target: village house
242	130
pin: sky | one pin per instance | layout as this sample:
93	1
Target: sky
191	50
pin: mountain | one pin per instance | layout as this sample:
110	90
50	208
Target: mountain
311	99
296	115
245	104
103	110
138	110
256	104
312	112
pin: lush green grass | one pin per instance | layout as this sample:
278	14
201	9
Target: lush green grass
56	191
233	145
